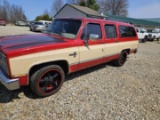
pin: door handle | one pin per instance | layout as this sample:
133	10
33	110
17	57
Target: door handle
73	54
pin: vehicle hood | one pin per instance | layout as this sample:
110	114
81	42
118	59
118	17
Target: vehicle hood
27	41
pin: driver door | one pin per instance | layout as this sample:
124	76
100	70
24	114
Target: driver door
91	52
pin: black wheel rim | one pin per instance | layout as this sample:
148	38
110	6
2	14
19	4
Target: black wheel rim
123	58
50	81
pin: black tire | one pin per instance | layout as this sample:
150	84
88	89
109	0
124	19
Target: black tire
153	39
33	29
122	59
143	40
30	28
47	80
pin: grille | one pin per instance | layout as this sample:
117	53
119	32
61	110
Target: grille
150	35
3	64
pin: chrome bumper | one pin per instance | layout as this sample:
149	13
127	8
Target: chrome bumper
10	84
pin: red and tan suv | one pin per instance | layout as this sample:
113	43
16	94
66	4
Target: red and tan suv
2	22
69	45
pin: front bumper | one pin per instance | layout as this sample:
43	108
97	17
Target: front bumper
40	28
10	84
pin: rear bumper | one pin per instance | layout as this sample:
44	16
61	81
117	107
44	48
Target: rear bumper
10	84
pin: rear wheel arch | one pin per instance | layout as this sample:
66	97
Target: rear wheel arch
122	58
127	50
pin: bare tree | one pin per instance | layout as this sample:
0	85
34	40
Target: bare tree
115	7
11	13
4	9
17	13
56	6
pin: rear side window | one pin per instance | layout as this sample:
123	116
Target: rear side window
110	31
127	31
91	28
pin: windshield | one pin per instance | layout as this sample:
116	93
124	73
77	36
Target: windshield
38	23
65	27
150	31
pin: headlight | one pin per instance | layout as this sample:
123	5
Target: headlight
3	64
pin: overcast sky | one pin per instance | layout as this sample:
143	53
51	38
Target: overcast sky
136	9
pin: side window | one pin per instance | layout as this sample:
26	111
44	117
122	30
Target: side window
91	28
110	31
127	31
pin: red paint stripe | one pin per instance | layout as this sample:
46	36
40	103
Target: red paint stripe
84	65
57	46
21	52
23	80
73	68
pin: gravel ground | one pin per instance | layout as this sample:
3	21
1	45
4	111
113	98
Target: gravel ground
104	92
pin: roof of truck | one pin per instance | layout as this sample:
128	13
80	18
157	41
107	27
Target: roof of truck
100	20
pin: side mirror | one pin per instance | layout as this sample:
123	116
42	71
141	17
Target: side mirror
94	37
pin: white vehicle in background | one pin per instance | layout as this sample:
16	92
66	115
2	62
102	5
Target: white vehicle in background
153	34
46	22
157	34
142	34
37	26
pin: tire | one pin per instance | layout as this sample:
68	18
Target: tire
47	80
122	59
153	39
33	29
143	40
30	28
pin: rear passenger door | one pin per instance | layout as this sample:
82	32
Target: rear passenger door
91	53
111	42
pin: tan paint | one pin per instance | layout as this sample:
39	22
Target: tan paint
91	52
22	64
117	47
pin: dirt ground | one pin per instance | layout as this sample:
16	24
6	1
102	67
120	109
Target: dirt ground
14	30
104	92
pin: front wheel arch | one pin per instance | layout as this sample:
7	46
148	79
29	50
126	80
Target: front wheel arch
62	63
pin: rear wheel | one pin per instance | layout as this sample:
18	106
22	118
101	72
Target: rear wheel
122	59
47	81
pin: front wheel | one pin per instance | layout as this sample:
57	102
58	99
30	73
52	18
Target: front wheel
143	40
122	59
47	81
